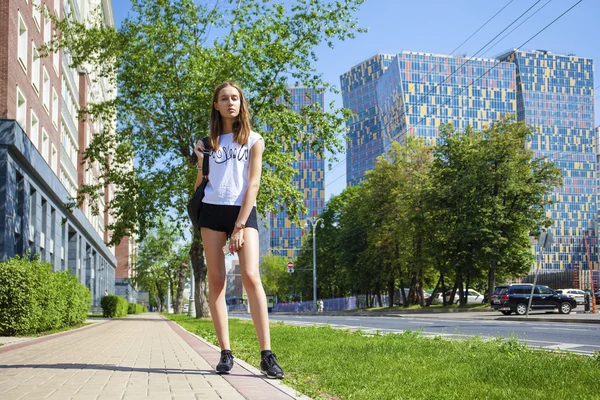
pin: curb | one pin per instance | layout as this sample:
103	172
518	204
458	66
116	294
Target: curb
278	384
398	313
541	319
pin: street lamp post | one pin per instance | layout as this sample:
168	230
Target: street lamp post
313	224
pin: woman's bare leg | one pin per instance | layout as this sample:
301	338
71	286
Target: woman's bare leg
249	257
213	242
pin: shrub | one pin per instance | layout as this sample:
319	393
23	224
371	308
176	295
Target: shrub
35	299
136	309
114	306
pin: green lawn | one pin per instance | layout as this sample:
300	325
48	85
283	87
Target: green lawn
328	363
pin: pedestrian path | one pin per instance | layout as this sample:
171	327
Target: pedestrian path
139	357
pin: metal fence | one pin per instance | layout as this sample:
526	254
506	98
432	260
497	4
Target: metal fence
569	279
342	303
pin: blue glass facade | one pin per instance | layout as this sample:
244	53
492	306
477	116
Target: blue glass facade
285	237
413	93
419	92
364	143
555	97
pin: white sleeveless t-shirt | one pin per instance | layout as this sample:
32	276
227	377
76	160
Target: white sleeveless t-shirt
228	171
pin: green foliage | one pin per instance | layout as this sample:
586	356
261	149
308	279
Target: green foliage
460	213
274	276
114	306
134	308
327	363
158	260
264	45
34	299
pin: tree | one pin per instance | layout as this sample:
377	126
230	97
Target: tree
165	61
332	278
155	255
275	277
488	197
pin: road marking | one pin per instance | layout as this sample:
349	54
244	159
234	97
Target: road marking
562	329
562	346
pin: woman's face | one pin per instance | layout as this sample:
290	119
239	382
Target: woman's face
228	102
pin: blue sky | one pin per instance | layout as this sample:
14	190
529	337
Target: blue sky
440	26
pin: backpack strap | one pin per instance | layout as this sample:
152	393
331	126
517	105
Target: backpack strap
205	169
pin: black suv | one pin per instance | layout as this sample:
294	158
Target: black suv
515	298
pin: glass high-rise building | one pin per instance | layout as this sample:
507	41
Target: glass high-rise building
364	143
284	237
555	95
413	93
418	92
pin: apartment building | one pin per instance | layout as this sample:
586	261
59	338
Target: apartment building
42	138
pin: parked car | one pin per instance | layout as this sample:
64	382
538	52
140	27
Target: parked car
514	298
473	297
186	307
398	300
578	295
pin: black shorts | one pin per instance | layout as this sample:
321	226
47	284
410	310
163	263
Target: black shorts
221	218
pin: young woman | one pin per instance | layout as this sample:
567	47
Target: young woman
229	212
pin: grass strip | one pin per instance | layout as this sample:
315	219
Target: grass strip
327	363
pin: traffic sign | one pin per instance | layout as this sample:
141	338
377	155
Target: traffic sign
290	267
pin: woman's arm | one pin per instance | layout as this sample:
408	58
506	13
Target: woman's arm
254	173
200	176
199	150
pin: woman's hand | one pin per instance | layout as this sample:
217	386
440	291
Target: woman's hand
236	241
199	150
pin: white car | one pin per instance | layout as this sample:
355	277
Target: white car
576	294
473	297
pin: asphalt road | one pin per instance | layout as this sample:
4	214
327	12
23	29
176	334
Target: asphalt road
574	337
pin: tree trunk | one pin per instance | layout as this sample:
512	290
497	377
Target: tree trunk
430	299
391	293
180	286
491	282
200	287
443	288
161	298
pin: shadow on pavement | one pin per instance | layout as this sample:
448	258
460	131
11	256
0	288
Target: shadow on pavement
108	367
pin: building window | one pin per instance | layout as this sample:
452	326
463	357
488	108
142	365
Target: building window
23	43
54	108
45	144
37	15
35	68
55	60
21	110
54	160
46	90
47	29
34	133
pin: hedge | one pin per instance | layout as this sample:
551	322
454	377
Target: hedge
114	306
136	309
34	299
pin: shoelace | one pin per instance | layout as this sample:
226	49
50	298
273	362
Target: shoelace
225	358
271	360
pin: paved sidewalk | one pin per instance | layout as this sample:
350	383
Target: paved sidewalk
139	357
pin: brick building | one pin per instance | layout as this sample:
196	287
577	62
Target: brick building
41	145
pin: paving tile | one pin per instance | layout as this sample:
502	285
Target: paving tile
140	357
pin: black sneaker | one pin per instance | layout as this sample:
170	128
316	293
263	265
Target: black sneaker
269	366
226	364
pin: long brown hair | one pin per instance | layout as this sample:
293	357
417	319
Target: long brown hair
241	126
